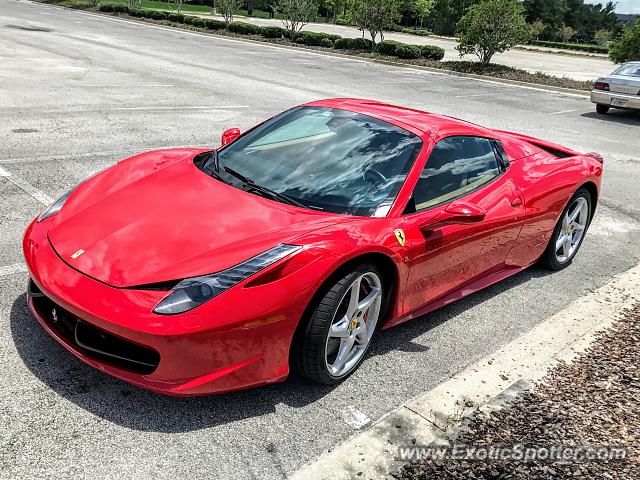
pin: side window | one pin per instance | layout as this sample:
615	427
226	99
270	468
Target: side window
456	166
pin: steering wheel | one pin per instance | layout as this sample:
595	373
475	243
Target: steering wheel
374	176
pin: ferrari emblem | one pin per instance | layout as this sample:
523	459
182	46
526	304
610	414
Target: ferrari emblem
77	254
400	236
354	323
54	315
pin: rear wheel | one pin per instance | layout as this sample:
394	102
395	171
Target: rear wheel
339	331
569	232
602	109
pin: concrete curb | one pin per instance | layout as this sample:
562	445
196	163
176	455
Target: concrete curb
483	78
430	417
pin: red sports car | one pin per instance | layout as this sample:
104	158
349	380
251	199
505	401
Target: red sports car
188	271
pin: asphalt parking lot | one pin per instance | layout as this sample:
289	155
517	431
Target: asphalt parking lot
79	91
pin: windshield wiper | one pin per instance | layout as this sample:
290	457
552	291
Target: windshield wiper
206	168
251	185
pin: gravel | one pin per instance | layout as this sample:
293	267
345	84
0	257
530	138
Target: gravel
595	400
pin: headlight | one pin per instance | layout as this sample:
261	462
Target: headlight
192	292
56	206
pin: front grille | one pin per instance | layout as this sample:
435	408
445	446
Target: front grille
92	341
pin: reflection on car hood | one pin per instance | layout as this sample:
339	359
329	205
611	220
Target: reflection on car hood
156	217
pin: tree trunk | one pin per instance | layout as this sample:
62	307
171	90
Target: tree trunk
249	8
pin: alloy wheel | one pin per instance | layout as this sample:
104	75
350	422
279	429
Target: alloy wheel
572	230
353	324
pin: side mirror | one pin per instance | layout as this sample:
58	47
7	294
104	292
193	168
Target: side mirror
458	212
230	135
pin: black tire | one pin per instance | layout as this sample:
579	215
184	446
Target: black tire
602	109
549	258
310	347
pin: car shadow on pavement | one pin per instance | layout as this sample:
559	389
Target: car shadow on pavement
139	409
626	117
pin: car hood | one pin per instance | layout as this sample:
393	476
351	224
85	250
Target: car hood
156	217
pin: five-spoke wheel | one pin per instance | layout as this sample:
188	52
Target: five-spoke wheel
340	329
569	232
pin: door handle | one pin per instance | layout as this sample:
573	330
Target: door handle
516	202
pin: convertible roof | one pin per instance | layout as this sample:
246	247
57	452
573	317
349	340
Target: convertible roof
429	123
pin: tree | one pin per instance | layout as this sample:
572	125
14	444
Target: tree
551	12
602	37
179	4
536	28
626	48
566	33
374	16
228	8
297	13
446	14
492	27
423	8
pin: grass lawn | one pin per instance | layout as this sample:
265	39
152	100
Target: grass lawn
162	6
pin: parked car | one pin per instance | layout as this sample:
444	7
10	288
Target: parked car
621	89
194	271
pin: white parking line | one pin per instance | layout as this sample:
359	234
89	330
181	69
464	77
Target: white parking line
147	107
12	269
200	107
476	95
566	111
354	417
404	81
155	85
27	187
117	154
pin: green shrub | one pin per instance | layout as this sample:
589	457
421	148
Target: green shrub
423	32
326	42
120	9
626	47
387	47
188	19
243	28
159	16
212	24
345	22
583	47
316	39
408	51
136	12
106	7
431	52
176	17
353	44
198	22
272	32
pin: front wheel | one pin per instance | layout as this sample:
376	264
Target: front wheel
602	109
339	331
569	232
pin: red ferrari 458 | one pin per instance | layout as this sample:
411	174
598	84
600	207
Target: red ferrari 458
191	271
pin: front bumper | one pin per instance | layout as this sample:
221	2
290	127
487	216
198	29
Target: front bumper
215	348
609	98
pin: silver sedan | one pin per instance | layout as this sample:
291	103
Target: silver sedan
621	89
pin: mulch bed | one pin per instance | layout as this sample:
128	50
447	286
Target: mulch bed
593	401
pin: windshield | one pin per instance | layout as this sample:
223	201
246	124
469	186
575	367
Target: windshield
324	158
631	69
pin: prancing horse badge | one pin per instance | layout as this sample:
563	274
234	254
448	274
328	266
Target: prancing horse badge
77	254
400	236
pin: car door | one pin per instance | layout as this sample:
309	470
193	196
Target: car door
464	216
